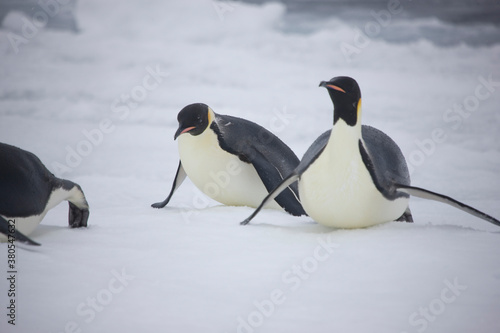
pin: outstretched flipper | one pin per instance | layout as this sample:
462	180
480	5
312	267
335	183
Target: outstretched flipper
311	154
288	197
273	194
179	178
4	229
426	194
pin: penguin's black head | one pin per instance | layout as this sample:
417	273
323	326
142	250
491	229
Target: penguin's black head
346	97
193	119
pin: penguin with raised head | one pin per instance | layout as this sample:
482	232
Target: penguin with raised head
355	176
232	160
28	190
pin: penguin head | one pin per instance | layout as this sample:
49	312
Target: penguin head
346	97
194	119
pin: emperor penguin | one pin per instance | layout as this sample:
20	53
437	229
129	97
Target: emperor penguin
28	190
232	160
355	176
8	228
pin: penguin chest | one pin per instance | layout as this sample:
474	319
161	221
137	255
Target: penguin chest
25	225
28	224
220	175
337	191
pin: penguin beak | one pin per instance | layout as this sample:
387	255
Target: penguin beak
331	86
181	130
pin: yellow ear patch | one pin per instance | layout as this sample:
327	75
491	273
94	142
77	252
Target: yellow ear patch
358	111
210	116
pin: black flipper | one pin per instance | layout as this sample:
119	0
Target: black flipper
310	156
179	178
4	229
272	158
288	197
273	194
426	194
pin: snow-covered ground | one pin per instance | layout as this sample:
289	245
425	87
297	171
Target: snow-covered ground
99	108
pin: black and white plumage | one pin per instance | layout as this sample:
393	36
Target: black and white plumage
232	160
356	176
7	228
28	191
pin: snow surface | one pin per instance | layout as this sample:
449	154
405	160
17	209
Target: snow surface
191	267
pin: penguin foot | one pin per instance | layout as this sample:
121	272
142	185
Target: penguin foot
406	217
77	217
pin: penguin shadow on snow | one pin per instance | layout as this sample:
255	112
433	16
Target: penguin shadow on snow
301	227
354	175
43	231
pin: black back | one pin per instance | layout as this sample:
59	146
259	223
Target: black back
388	165
313	152
25	183
272	158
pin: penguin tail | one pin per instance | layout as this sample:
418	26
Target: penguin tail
426	194
273	194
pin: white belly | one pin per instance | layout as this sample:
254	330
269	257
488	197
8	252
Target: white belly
25	225
337	191
220	175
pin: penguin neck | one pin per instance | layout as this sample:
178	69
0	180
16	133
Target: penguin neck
349	112
188	144
211	117
73	195
347	122
345	137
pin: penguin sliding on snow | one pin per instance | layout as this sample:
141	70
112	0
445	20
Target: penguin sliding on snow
28	191
355	176
232	160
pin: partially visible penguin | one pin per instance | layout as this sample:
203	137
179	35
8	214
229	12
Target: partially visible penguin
232	160
355	176
8	228
28	191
